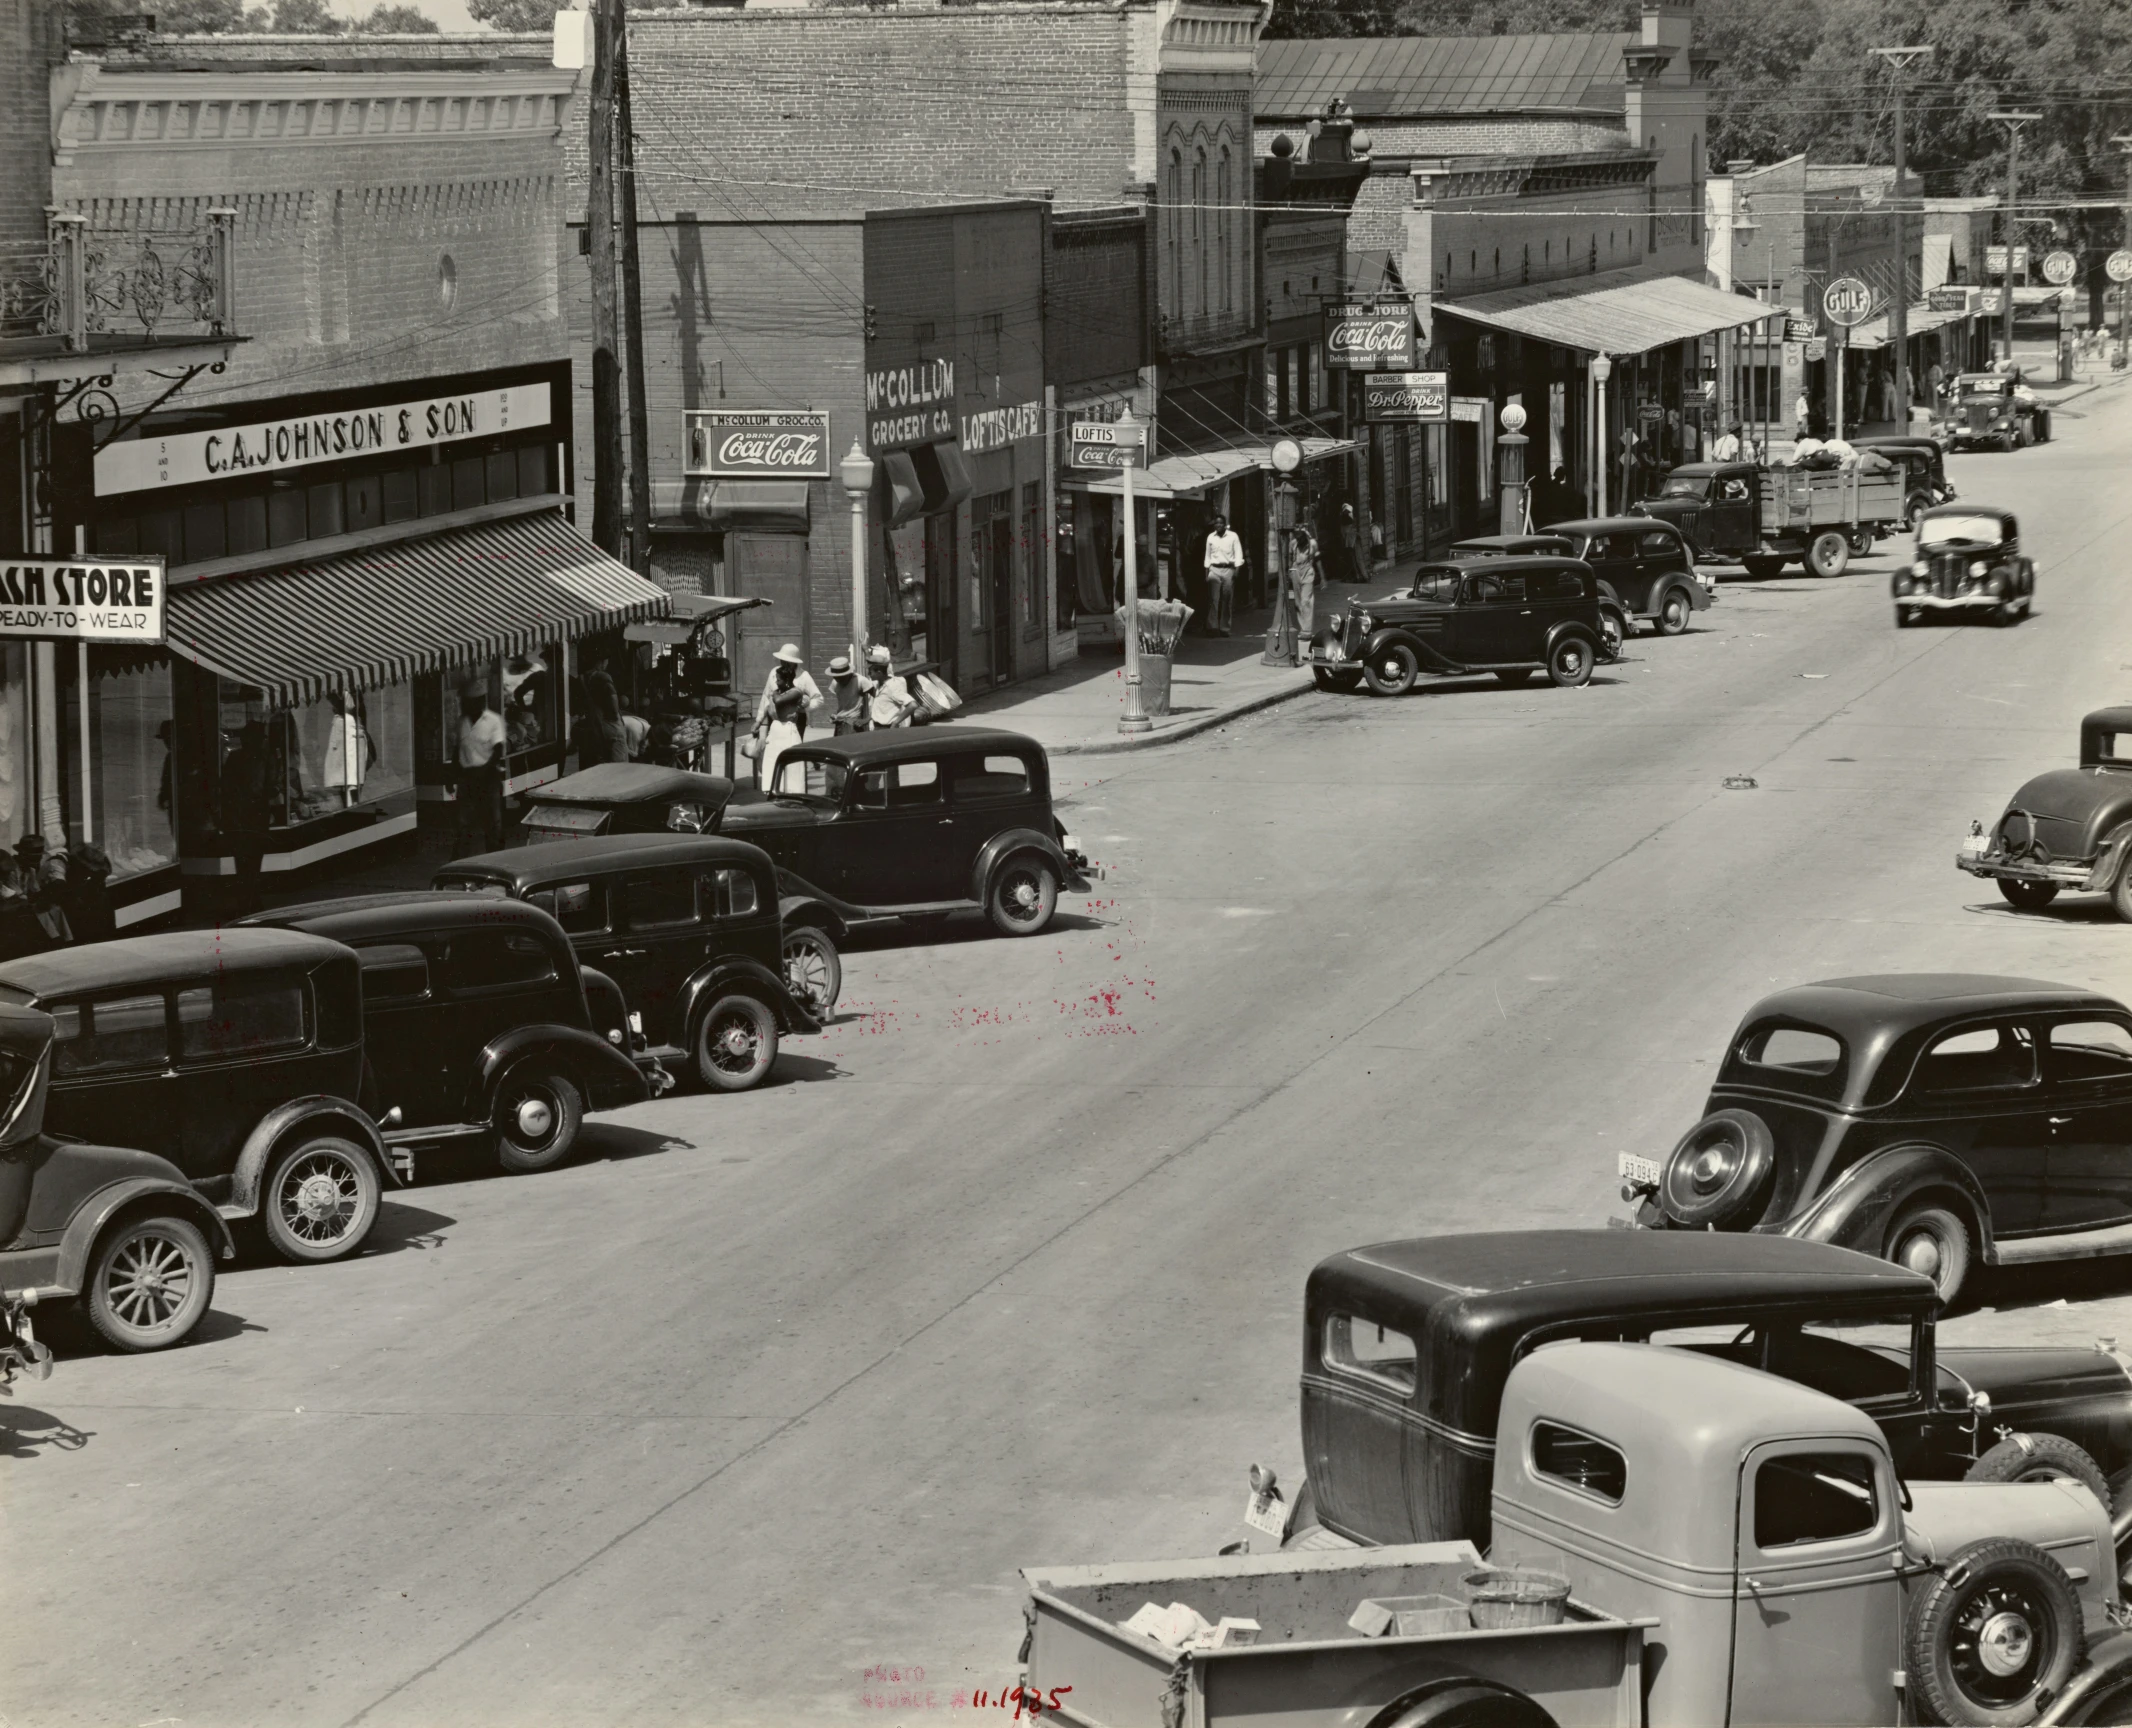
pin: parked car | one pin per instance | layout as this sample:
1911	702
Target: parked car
1509	616
639	798
1996	409
1647	563
1924	465
479	1025
1613	611
2067	828
686	925
118	1231
1968	562
1406	1347
917	824
238	1055
1944	1121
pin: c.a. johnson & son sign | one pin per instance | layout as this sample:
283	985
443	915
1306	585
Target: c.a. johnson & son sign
231	452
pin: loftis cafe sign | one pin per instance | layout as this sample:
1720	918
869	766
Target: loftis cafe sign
910	405
82	600
730	444
1371	336
267	446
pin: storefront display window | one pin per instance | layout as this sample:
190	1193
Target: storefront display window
130	776
281	766
524	688
17	802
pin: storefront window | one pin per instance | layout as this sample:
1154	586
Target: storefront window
130	777
17	803
526	689
284	765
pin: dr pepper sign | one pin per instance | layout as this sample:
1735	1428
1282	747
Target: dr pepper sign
81	600
757	445
1371	336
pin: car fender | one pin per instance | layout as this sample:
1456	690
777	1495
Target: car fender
793	886
995	851
1854	1211
2102	1680
602	992
606	1071
1578	628
1698	595
146	1193
279	1123
794	910
706	986
1432	659
2110	860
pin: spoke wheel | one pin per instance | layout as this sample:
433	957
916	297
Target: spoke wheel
321	1201
151	1284
537	1117
1997	1631
1023	894
813	972
736	1042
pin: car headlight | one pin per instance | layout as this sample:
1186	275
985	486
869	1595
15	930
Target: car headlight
1336	626
1364	623
1977	568
1920	568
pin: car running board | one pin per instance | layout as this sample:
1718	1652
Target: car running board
2073	1245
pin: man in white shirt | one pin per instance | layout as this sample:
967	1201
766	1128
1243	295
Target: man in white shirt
1225	559
480	762
1725	447
891	703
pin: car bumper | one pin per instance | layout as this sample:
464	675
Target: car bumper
2071	873
1332	657
1979	602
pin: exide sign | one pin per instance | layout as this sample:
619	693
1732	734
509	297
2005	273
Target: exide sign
743	444
1371	336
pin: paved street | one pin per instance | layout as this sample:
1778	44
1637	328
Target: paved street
770	1389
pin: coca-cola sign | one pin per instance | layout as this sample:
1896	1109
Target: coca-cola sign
1371	336
735	444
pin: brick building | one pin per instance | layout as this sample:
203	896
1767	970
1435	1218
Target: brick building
360	504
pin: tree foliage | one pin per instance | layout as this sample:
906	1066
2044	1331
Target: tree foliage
516	16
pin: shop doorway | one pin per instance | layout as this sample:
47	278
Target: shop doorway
772	567
992	552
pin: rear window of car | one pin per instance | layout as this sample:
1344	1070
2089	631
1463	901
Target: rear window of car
979	779
1579	1461
480	960
1366	1349
1658	544
394	972
1977	1059
1556	585
900	786
110	1033
2090	1050
730	893
1789	1058
239	1015
663	900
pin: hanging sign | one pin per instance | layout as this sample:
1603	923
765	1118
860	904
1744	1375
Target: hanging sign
1995	260
1799	328
267	446
2059	268
1406	398
82	600
1948	299
1847	301
745	444
1105	444
996	428
2118	266
1371	336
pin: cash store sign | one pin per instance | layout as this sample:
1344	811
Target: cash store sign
732	445
82	600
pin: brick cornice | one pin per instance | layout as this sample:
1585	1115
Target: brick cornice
95	109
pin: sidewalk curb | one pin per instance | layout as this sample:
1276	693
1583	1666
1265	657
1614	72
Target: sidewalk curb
1190	729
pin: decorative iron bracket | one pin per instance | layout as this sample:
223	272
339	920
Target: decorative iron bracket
76	388
94	413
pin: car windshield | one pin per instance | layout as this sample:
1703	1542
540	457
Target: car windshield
1986	386
1685	486
1968	530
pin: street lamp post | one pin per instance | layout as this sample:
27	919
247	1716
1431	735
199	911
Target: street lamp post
1134	719
2123	141
1512	444
1900	60
1602	368
2013	124
857	473
1283	644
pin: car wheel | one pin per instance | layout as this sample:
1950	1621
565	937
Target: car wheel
1463	1701
538	1113
1612	633
321	1200
1022	895
2041	1458
1912	510
1995	1632
1344	683
1717	1173
1762	569
1829	554
813	970
736	1041
2033	896
1674	611
1392	670
1569	662
2121	892
1514	677
1934	1240
152	1281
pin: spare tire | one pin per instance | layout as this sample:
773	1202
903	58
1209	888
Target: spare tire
2041	1458
1992	1637
1718	1174
1463	1701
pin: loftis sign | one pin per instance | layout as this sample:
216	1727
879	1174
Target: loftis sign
732	444
233	452
1371	336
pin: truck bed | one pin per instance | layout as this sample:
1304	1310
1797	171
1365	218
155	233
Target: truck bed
1797	499
1308	1667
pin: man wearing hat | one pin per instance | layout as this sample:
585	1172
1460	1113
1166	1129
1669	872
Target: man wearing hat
786	674
480	762
1725	447
851	694
892	703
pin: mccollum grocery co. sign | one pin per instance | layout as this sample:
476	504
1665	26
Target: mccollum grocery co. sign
1371	336
82	600
741	444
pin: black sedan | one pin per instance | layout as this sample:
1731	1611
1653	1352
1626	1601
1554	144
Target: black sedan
1510	617
1968	564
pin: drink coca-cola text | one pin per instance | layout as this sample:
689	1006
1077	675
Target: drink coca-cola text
771	449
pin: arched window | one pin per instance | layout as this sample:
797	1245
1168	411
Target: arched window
1199	223
1176	224
1223	226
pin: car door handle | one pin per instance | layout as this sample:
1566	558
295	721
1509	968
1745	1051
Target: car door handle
2060	1121
945	822
623	953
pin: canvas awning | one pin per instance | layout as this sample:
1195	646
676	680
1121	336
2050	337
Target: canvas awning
1873	333
1614	312
361	619
1195	474
780	506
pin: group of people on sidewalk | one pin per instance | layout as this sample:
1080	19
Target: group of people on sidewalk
1307	572
54	897
876	698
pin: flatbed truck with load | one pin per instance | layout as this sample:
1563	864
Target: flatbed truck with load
1767	517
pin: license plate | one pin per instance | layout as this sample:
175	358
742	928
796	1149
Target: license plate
1642	1171
1265	1513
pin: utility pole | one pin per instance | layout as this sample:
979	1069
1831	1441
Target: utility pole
2123	141
2013	122
600	250
1900	60
632	306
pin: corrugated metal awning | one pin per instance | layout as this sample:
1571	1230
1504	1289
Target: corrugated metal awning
362	619
1197	473
1614	312
1873	333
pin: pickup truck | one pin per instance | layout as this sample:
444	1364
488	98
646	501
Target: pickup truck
1768	517
1723	1545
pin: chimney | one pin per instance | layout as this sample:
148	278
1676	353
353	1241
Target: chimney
1332	137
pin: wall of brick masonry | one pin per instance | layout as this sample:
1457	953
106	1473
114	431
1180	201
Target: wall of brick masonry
29	45
1096	300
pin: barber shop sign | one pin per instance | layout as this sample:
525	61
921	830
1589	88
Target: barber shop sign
756	445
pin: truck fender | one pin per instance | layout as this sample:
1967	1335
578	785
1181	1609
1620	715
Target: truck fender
706	986
1431	658
794	910
1856	1209
282	1123
609	1076
137	1193
1462	1701
2100	1692
996	850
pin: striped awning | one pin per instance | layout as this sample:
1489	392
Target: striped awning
362	619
